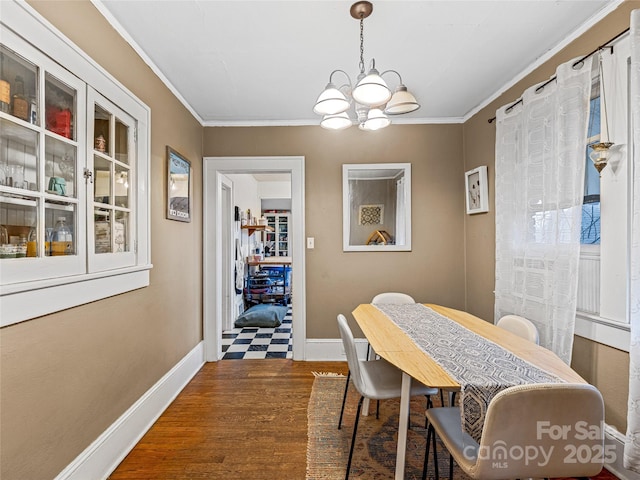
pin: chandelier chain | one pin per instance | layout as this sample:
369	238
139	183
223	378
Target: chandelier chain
362	43
604	98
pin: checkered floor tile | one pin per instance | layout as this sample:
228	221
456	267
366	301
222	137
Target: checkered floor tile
253	342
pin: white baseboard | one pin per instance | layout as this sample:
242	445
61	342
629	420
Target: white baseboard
330	349
102	457
617	439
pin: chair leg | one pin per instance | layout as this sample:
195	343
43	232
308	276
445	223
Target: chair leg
426	454
430	433
353	437
450	467
435	453
453	399
429	405
344	399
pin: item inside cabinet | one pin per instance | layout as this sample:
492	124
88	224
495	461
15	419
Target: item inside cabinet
101	129
13	241
59	106
17	86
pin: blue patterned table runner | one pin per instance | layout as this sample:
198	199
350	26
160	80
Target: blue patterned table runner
480	366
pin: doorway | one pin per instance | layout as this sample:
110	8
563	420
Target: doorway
228	252
218	244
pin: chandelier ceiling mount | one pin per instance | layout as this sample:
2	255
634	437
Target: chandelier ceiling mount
361	10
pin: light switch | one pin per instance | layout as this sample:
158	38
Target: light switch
310	242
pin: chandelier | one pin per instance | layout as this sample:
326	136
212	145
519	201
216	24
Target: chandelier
372	98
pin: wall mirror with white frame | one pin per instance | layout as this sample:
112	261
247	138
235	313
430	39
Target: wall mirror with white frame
376	207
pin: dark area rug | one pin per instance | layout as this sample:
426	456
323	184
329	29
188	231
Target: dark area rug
375	452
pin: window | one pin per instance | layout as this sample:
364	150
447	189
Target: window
74	170
590	233
603	296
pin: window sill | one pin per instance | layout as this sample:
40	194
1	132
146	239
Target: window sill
602	330
20	302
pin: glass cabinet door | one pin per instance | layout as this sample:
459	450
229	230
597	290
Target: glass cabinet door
112	142
38	167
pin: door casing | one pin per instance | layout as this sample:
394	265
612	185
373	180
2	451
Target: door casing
214	171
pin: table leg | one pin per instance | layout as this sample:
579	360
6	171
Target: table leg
403	425
365	407
366	403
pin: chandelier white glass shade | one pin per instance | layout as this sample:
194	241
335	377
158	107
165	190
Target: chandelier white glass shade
331	101
372	98
337	121
376	119
401	102
371	90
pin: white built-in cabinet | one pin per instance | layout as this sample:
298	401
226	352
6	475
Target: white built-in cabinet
74	174
278	239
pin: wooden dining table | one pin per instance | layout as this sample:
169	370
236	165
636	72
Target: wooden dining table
391	343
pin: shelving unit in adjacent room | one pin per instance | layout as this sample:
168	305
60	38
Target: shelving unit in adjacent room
251	229
278	239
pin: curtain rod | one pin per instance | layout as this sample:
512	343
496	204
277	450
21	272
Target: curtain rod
541	87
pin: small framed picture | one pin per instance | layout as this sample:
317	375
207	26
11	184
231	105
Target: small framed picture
476	190
370	214
178	186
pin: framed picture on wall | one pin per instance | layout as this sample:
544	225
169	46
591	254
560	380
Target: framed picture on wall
178	186
476	190
371	215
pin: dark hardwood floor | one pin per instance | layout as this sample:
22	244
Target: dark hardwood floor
237	419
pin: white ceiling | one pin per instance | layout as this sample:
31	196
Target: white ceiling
265	62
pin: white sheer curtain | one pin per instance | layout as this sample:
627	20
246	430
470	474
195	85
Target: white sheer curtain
540	158
632	446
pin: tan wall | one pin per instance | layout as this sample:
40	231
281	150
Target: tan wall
605	367
608	369
337	281
65	378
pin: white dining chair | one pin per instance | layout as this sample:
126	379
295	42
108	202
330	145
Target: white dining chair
381	298
373	379
395	298
560	424
520	326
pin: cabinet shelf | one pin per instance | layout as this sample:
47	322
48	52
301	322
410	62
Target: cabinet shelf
257	228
